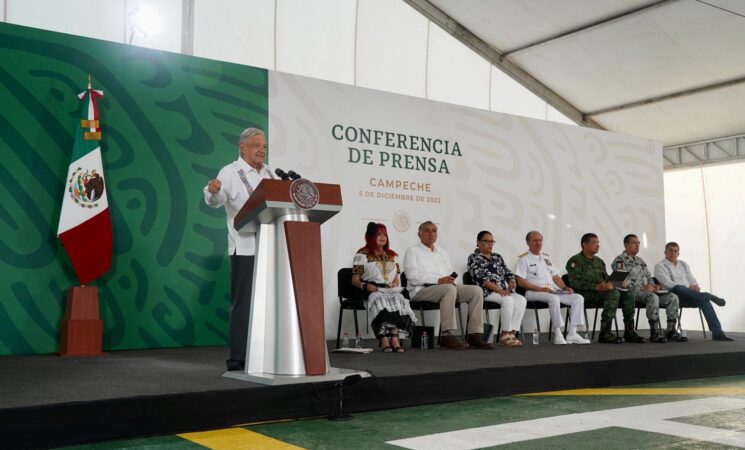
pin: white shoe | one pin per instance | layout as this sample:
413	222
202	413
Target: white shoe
559	338
576	339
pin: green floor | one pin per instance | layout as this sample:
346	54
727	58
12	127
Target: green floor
372	430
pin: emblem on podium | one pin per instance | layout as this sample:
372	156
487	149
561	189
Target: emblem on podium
304	193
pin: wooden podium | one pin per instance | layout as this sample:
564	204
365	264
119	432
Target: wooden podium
286	332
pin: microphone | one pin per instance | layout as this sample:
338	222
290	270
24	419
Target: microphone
282	174
293	175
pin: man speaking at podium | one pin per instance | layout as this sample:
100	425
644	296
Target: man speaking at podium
232	187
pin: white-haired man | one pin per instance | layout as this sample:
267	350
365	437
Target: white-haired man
232	187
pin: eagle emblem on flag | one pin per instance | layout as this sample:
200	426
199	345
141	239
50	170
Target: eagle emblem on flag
85	187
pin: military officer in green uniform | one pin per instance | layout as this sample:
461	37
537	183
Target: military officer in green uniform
588	277
647	292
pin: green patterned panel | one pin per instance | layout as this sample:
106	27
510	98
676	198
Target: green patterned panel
169	123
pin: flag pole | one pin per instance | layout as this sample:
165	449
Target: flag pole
81	328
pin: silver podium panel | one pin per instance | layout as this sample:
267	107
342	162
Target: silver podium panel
274	346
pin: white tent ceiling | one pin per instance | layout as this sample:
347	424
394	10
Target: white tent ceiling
670	70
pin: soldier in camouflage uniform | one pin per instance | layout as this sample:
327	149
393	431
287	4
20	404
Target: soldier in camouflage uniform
643	287
587	276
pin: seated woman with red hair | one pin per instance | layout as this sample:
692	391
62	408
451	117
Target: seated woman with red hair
376	272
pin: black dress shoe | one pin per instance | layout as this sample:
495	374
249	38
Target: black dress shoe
717	300
234	364
721	337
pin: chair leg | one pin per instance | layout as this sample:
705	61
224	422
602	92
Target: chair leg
594	323
487	321
460	322
566	322
615	321
638	310
703	327
356	324
338	330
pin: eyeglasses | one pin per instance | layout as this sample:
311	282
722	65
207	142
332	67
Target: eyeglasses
487	242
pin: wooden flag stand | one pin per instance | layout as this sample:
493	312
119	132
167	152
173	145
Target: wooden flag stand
81	329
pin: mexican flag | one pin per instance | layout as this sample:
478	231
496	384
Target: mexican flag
85	223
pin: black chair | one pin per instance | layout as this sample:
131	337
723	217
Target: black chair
423	305
349	298
565	279
488	306
700	315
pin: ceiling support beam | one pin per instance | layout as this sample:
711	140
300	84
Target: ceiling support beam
662	98
589	26
715	144
693	154
494	56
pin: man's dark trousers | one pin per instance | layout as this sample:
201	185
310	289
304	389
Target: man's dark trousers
241	286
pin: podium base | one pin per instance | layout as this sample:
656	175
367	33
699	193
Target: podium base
80	330
334	374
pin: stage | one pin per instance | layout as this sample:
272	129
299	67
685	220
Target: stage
50	401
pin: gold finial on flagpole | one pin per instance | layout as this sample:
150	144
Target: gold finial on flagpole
89	81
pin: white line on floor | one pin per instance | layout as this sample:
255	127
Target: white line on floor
651	418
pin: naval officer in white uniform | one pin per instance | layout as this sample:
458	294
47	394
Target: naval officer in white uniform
542	282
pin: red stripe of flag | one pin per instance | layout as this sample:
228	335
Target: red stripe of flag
89	247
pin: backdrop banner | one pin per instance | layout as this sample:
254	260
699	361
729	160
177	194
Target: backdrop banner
403	160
